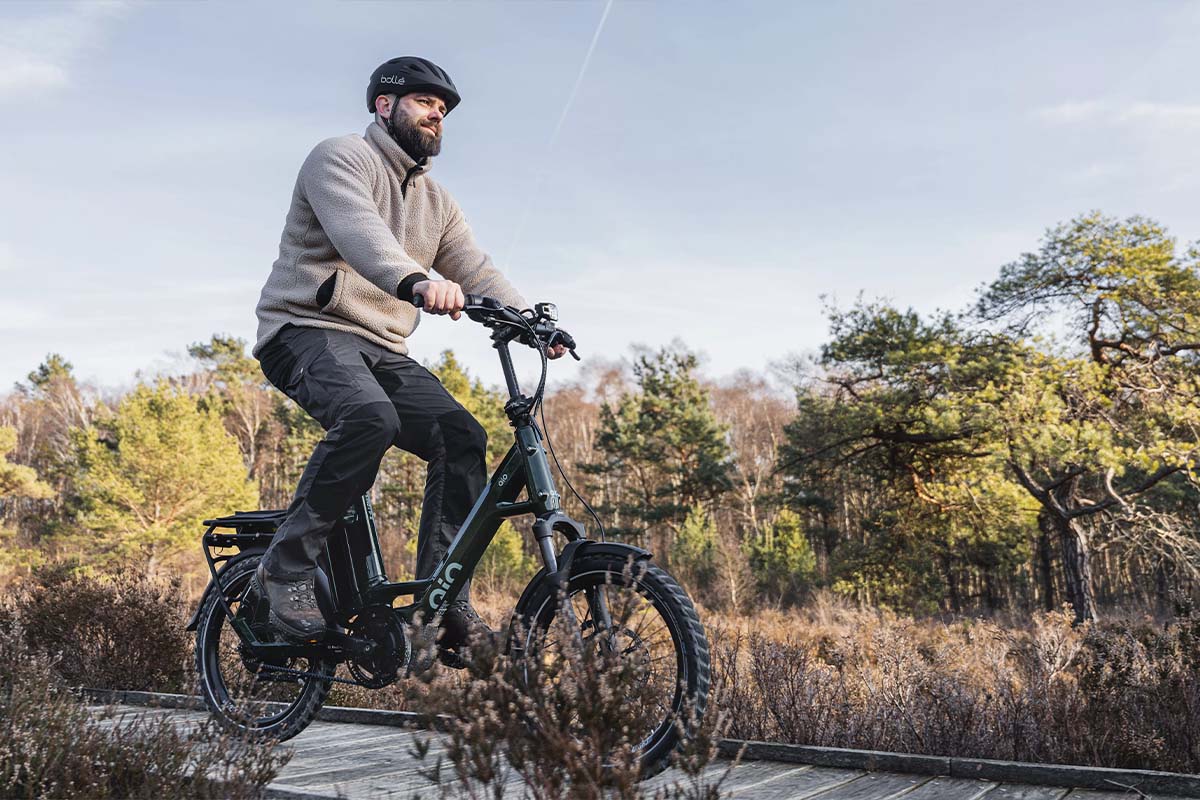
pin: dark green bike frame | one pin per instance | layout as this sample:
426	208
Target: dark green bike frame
352	559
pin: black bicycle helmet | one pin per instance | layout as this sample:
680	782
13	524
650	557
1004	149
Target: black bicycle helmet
408	74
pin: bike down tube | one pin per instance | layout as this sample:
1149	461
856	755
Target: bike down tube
524	467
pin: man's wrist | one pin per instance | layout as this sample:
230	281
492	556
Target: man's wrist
405	290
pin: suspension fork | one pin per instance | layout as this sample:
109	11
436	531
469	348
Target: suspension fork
597	600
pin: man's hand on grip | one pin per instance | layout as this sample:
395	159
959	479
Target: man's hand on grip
440	297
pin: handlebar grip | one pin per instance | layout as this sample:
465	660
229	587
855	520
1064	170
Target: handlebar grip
468	299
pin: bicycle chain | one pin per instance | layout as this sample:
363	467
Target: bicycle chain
299	673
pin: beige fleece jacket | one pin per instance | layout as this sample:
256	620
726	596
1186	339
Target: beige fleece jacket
365	216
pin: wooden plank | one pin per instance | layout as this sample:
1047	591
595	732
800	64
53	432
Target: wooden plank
340	750
1022	791
355	744
752	773
743	774
795	783
1099	778
305	771
871	786
281	791
329	775
302	767
1123	794
400	784
951	789
802	784
772	787
837	757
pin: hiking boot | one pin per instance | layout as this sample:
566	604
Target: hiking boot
462	628
293	601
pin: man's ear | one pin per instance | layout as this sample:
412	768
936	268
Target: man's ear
383	105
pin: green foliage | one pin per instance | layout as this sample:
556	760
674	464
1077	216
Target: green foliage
54	368
17	480
960	430
486	405
226	357
783	561
664	444
161	467
505	564
695	552
401	481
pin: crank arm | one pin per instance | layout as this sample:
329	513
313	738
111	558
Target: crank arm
337	642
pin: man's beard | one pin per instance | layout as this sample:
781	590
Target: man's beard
408	134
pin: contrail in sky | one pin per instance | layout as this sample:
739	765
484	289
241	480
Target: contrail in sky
537	185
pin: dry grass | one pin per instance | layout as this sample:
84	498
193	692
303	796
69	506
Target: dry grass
1122	694
112	631
1125	693
50	746
562	724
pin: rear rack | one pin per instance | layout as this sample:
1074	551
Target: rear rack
251	529
243	519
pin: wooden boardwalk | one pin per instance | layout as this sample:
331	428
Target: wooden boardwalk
339	759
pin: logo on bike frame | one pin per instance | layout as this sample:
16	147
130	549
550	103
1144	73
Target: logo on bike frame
435	597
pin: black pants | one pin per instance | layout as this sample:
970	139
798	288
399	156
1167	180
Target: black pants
367	399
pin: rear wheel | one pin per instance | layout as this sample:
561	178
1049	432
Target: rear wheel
241	691
636	617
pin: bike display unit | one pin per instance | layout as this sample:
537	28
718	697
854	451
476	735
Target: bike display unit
259	683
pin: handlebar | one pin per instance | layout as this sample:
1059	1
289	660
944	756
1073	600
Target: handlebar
492	313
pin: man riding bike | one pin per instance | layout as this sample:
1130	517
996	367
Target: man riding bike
365	227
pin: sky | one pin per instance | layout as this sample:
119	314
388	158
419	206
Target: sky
714	173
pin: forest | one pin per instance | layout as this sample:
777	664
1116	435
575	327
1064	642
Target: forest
1035	449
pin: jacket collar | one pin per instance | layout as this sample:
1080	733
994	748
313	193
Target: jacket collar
393	154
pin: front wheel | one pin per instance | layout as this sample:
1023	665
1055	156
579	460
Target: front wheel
245	694
632	613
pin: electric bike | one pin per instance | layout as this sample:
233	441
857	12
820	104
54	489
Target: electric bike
259	684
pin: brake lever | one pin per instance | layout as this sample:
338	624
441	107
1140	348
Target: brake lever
567	341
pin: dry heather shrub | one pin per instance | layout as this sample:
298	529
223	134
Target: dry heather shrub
563	724
51	747
1119	695
111	631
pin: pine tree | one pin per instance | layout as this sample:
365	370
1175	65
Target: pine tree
663	448
783	561
160	467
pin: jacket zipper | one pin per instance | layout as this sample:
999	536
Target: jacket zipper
407	176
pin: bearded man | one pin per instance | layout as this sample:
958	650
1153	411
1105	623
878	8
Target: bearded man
366	227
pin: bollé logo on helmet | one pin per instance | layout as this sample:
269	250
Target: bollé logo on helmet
396	79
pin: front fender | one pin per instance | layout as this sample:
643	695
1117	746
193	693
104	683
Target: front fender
195	619
575	549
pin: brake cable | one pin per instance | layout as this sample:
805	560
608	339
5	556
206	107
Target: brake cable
539	408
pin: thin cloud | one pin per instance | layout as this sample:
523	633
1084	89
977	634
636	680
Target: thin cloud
39	52
1067	113
1165	113
1159	115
